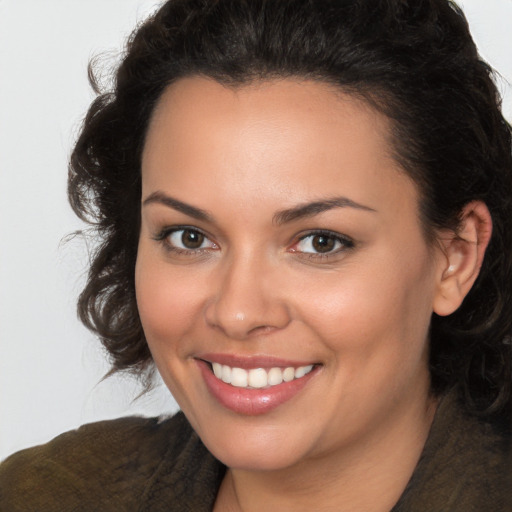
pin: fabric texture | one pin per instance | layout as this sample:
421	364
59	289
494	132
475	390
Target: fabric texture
151	465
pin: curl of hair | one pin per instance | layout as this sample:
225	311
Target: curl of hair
413	60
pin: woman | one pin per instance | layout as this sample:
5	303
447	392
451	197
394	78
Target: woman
303	210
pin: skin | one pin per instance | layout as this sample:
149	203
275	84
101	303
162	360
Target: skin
257	287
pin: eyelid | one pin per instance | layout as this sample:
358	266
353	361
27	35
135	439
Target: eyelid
166	230
346	243
163	237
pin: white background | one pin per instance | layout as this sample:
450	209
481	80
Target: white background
50	366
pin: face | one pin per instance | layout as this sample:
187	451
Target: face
283	280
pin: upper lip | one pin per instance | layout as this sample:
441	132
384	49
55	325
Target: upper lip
250	362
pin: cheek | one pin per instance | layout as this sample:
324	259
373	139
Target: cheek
167	302
372	311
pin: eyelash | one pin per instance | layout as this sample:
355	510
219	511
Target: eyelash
164	238
344	242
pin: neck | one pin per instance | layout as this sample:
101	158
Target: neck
369	477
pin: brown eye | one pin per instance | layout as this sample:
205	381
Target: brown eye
187	239
192	239
323	243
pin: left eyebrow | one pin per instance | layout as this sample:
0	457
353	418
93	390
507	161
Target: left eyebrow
314	208
187	209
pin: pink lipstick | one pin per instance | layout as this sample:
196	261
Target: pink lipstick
254	385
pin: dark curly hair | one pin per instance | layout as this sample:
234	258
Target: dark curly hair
413	60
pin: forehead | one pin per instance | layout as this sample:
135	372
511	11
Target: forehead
286	140
293	107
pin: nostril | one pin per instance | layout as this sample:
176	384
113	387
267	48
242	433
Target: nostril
261	329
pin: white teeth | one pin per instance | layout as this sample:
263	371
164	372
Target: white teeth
217	370
275	376
303	370
258	377
226	374
239	377
289	374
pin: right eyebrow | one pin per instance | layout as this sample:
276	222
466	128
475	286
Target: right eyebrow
192	211
316	207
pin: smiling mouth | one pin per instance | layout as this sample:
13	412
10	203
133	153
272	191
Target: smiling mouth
255	385
258	378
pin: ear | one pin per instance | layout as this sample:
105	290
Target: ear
463	256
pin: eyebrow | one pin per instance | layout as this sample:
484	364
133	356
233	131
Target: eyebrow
311	209
282	217
171	202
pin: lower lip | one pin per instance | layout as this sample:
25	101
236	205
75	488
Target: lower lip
252	402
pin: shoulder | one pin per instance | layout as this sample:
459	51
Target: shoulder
111	461
466	464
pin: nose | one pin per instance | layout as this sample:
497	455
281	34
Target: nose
247	300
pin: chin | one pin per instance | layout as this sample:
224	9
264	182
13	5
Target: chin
254	458
254	447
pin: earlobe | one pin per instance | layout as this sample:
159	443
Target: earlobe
464	252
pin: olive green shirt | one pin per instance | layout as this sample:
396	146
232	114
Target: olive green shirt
139	464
